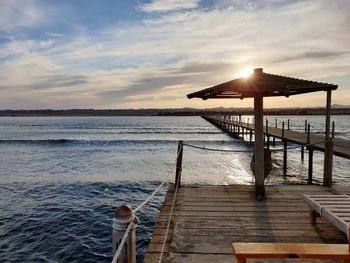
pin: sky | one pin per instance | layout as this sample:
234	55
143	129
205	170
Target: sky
104	54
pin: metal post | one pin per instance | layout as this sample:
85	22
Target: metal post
288	125
332	129
259	148
328	145
122	218
179	164
305	126
308	133
282	129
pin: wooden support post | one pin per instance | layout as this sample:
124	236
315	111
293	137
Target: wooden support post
288	125
179	164
268	141
284	158
122	218
305	126
328	145
311	157
332	129
282	129
274	138
302	153
328	163
259	147
308	133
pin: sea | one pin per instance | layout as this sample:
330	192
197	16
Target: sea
61	178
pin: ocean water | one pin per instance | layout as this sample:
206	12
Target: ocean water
62	177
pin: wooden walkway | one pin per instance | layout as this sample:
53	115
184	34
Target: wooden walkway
341	147
207	219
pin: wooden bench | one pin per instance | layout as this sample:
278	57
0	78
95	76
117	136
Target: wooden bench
334	209
244	251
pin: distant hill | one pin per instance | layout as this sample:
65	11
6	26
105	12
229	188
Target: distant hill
336	110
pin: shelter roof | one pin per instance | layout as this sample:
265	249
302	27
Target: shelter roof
261	83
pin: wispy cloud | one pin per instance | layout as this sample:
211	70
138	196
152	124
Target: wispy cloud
169	5
19	14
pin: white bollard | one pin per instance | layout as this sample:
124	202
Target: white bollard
122	218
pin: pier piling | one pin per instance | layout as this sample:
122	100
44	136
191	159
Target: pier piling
311	157
328	145
122	218
284	158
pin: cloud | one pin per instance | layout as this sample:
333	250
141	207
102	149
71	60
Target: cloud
162	57
169	5
174	81
55	35
252	5
19	14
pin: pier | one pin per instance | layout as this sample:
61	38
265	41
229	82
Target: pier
208	219
307	139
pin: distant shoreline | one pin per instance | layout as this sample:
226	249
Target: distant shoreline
167	112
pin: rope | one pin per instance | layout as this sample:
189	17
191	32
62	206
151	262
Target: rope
169	222
215	150
151	196
171	211
247	151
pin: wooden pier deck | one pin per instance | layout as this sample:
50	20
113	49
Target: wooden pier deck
207	219
341	147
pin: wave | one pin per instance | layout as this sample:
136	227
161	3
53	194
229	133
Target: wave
115	142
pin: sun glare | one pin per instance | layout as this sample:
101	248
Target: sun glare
245	73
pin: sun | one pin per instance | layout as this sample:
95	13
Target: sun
245	73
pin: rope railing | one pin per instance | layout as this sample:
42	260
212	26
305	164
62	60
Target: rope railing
132	220
140	207
248	151
169	221
214	149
